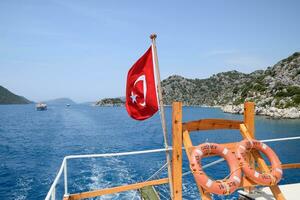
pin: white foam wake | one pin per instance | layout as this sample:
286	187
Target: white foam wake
113	173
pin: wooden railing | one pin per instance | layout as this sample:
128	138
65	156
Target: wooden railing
123	188
211	124
247	130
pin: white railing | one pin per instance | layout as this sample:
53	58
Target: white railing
63	168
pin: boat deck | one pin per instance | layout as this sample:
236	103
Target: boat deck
290	191
181	136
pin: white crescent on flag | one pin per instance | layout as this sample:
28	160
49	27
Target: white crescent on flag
133	97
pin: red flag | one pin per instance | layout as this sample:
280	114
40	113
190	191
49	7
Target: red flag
141	97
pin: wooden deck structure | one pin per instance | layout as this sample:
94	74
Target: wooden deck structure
181	136
149	193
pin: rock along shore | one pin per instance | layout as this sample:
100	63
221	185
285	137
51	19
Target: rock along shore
286	113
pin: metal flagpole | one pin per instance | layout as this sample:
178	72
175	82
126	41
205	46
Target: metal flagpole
162	111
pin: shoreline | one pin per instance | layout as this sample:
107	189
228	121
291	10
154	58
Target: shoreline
273	112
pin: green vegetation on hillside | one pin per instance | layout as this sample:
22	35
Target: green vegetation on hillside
277	86
7	97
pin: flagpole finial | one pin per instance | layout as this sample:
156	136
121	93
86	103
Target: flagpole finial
153	36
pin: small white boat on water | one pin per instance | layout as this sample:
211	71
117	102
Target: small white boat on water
41	106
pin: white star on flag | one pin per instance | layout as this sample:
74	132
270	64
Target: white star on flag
133	97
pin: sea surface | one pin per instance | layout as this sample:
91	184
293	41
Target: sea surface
34	143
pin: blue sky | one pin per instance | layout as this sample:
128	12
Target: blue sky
83	49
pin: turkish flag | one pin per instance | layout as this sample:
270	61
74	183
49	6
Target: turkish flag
141	96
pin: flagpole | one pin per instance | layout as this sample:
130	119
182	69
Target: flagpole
162	112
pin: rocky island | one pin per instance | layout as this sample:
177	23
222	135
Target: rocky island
275	91
110	102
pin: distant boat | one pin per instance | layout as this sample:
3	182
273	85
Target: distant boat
68	105
41	106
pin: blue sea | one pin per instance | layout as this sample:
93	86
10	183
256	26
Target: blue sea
34	143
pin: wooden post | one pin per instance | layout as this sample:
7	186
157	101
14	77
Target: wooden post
177	150
161	109
249	117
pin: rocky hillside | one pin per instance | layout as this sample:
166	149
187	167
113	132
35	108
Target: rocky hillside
7	97
276	87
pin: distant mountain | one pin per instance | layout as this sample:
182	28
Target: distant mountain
7	97
60	101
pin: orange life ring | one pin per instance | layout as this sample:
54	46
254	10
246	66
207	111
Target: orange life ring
260	178
223	187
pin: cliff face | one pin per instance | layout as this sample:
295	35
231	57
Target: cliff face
7	97
277	87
